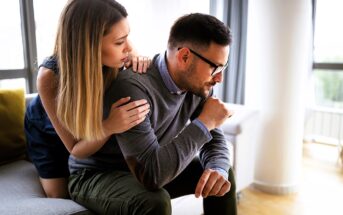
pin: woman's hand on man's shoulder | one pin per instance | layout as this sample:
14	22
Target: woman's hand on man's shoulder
138	63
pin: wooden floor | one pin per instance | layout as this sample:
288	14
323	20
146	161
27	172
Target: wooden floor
321	191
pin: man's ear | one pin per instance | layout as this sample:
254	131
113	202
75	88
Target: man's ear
183	57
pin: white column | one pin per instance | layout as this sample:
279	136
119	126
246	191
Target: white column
279	45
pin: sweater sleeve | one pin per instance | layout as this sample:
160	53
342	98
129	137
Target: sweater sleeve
215	154
155	165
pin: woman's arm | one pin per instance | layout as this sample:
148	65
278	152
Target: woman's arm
121	118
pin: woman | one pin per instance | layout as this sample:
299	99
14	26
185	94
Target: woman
67	116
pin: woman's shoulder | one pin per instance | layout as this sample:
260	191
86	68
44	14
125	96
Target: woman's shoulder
47	81
50	63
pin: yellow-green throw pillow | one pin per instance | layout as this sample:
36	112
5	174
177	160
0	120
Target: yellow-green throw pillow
12	136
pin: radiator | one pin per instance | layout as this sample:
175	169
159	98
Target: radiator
324	125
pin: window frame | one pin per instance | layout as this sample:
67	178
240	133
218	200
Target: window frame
328	66
30	70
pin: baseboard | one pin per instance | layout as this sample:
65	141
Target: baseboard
276	189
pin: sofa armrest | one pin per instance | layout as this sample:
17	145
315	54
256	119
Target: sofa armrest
233	126
29	97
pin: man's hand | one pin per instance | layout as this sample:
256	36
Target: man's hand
214	113
212	183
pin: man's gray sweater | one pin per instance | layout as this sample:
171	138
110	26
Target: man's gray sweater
161	147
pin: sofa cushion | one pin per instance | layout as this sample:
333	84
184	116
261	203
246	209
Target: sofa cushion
12	136
21	193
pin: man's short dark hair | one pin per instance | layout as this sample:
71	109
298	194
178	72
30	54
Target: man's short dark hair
199	30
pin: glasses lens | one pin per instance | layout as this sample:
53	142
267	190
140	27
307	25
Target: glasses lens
219	69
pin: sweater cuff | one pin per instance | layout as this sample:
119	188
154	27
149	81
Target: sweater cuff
201	125
222	172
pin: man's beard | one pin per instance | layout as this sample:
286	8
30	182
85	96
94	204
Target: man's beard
202	92
188	79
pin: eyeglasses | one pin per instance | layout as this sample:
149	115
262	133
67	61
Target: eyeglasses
217	68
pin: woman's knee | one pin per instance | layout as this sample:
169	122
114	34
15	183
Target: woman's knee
55	188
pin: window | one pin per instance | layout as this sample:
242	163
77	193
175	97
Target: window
28	29
47	14
324	120
11	42
328	54
328	88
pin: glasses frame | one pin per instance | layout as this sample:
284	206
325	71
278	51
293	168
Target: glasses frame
217	68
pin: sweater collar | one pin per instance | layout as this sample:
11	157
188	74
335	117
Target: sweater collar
161	65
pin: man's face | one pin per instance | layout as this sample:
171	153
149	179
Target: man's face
204	71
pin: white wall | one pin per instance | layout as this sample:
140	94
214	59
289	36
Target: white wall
278	56
151	20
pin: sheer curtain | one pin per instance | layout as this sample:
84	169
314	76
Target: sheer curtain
234	13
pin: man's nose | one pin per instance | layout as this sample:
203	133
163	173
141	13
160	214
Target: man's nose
218	78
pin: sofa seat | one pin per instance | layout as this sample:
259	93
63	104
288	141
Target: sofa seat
21	193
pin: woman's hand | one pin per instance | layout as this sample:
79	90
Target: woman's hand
124	116
139	63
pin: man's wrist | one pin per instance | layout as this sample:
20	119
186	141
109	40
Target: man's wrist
206	123
222	172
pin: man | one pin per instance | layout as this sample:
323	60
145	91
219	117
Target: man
178	149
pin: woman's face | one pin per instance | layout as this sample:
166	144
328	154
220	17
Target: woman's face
116	46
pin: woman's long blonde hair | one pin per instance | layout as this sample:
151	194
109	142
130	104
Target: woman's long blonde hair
82	78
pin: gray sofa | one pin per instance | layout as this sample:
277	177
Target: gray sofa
22	194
